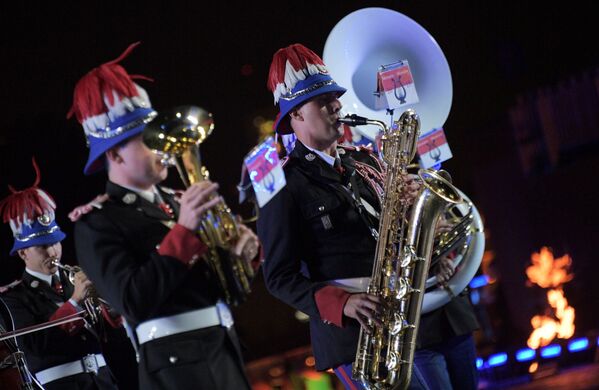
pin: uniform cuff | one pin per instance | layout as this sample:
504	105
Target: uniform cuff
66	310
183	245
330	301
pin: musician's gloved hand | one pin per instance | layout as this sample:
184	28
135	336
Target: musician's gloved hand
363	307
195	201
82	286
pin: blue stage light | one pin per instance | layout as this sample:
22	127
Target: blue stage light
497	360
474	297
479	281
525	355
479	363
551	351
578	344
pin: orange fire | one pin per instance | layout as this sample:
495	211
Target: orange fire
548	272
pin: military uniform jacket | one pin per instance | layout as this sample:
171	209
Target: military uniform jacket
121	249
33	302
312	232
117	247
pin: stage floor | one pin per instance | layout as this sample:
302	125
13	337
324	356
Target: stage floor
574	378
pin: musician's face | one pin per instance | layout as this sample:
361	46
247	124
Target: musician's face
134	164
39	257
316	122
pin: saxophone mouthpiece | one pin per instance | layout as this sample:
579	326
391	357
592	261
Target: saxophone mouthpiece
354	120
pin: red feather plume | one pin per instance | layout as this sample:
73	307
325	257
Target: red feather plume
88	97
28	202
298	55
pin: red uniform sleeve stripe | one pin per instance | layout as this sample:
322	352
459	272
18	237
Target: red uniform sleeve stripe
330	301
65	310
182	244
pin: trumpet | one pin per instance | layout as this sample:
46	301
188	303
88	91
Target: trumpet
92	304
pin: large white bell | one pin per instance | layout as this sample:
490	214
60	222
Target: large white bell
368	38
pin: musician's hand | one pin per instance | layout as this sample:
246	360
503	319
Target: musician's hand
82	285
195	201
412	186
443	226
444	270
363	307
86	208
247	245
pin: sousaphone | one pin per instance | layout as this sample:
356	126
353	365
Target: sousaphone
357	46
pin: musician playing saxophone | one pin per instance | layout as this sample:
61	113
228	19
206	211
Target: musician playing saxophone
317	232
143	254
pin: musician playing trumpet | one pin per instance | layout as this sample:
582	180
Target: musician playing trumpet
144	254
64	356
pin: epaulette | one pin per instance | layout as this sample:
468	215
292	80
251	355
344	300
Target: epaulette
10	286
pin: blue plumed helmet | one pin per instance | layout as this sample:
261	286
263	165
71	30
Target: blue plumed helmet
111	108
30	214
297	75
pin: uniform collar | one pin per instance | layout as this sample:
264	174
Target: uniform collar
325	156
317	168
132	198
149	195
41	276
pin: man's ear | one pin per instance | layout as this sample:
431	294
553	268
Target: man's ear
22	254
296	115
113	156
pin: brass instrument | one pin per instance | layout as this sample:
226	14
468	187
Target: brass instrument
176	135
92	304
354	50
384	358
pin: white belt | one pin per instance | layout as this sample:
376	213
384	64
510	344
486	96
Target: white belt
352	285
89	363
184	322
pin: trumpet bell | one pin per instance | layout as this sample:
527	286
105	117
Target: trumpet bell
173	132
368	38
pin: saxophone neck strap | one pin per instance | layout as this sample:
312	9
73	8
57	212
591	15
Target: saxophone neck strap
369	221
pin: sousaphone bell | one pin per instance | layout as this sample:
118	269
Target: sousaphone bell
355	49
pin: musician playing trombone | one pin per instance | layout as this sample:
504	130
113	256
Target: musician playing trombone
143	251
67	356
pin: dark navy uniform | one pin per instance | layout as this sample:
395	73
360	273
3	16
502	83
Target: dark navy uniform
33	302
313	232
456	318
119	248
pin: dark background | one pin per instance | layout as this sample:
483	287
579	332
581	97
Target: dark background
216	55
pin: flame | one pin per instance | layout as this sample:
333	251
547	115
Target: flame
533	367
548	272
